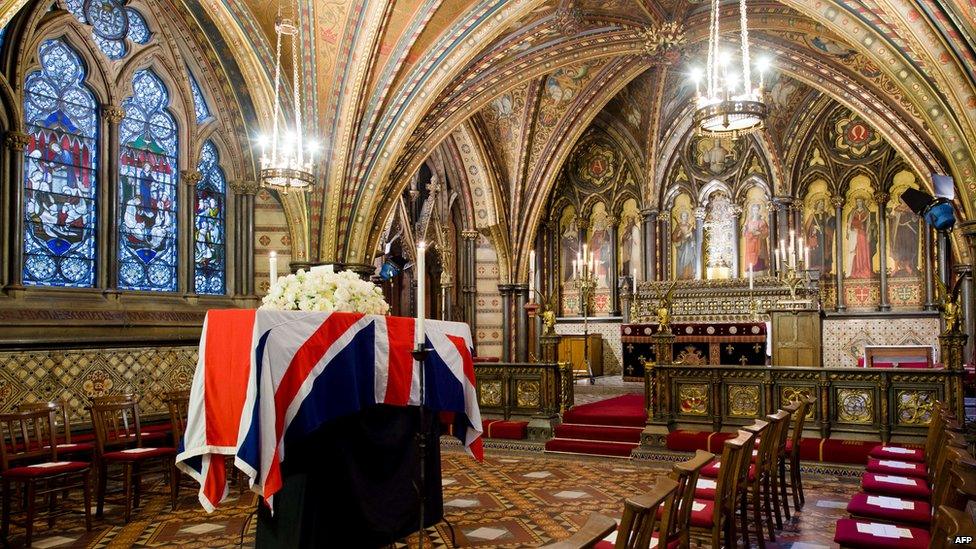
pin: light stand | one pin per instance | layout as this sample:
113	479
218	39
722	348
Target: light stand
585	283
420	355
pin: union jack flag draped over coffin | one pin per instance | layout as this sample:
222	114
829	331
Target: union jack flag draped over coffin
264	377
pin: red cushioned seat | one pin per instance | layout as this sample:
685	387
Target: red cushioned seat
889	451
157	428
48	469
906	487
848	535
75	448
705	489
711	470
919	515
703	517
138	454
897	467
83	437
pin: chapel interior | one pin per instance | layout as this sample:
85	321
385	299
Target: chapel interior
487	273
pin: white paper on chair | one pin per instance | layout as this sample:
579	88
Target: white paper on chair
886	502
896	480
51	464
883	530
897	450
137	450
896	464
706	483
697	506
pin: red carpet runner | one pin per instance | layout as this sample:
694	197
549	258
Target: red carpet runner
609	427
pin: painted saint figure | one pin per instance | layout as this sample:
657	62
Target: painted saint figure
819	234
755	234
630	246
860	232
903	238
683	237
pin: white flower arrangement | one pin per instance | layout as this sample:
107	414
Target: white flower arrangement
325	291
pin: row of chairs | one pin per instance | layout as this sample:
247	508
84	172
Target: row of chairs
914	497
40	458
709	499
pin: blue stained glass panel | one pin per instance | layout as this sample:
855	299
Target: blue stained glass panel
61	119
138	29
112	24
199	102
148	172
210	248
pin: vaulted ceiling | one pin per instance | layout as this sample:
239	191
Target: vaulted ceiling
517	82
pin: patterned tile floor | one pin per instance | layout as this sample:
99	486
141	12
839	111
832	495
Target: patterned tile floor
511	500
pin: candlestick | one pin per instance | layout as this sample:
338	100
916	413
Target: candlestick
273	266
421	288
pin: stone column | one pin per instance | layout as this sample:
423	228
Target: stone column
506	292
614	228
882	199
109	228
237	253
773	238
700	242
469	288
190	179
649	223
664	246
943	244
16	142
968	321
926	233
244	193
521	292
838	203
735	267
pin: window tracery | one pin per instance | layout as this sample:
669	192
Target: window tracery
112	24
200	107
209	246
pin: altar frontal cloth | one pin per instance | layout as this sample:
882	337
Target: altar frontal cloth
265	377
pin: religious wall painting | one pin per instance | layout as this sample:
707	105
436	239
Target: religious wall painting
754	241
560	88
715	155
630	239
719	232
597	164
683	245
569	247
600	245
853	138
906	262
860	244
819	226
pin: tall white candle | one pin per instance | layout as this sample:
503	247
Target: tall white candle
633	280
273	266
531	275
750	276
421	283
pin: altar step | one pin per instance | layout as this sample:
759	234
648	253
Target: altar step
604	433
610	427
590	447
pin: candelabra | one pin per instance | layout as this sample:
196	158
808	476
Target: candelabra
584	280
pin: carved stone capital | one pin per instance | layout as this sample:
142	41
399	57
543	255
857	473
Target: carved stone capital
664	216
190	177
837	201
16	141
469	234
113	114
244	187
612	220
700	212
882	198
659	42
583	223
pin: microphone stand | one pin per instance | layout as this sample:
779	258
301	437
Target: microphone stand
420	355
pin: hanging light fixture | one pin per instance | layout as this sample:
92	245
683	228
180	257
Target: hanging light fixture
730	106
287	155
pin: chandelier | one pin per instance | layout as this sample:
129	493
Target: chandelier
730	106
287	155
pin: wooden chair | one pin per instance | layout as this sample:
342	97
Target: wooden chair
62	428
751	484
952	525
778	473
715	519
27	437
793	449
641	515
178	404
676	517
118	441
596	528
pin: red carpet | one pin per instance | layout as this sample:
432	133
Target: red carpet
609	427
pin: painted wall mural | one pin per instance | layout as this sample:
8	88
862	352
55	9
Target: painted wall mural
630	240
755	233
683	242
599	243
569	247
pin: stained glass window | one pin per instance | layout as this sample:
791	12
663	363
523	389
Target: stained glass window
3	35
112	24
61	119
209	223
199	102
147	188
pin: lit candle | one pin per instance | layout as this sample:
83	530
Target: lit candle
633	281
806	256
750	276
273	266
531	274
421	282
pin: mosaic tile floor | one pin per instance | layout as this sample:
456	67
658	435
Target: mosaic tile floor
512	500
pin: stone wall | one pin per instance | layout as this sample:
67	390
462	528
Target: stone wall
845	338
610	331
488	301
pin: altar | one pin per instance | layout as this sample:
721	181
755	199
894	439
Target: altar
714	343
